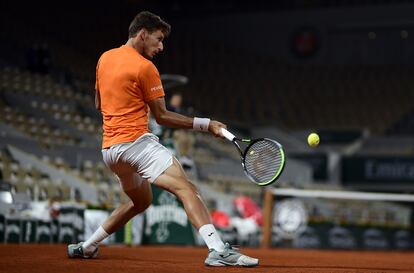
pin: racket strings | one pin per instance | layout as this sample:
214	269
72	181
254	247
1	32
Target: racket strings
263	160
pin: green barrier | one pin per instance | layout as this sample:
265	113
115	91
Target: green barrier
71	216
55	229
2	228
44	232
128	233
328	235
119	236
67	228
165	221
28	230
67	233
13	230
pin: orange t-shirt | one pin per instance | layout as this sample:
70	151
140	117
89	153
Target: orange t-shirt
126	81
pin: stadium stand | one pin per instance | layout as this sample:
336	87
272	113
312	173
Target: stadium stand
50	131
46	113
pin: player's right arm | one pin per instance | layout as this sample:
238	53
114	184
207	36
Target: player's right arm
175	120
153	94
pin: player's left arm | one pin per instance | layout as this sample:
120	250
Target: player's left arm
97	95
97	100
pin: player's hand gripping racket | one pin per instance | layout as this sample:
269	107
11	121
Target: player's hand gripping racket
263	159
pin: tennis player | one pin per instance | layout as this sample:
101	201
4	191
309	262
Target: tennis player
126	83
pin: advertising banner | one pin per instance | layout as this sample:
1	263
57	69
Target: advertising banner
377	169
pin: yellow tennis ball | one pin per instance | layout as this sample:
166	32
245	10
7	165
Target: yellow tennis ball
313	140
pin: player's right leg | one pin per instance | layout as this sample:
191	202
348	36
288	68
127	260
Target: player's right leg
175	181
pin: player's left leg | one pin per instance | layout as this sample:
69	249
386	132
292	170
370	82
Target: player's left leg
141	198
140	193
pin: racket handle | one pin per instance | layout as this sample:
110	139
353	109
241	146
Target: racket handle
227	134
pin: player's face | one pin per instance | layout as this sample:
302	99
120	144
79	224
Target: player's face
153	43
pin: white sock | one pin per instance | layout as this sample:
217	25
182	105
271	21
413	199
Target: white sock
99	235
211	237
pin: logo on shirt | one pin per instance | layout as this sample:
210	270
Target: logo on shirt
156	88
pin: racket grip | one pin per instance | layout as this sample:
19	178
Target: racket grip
227	134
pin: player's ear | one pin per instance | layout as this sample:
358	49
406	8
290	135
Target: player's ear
141	34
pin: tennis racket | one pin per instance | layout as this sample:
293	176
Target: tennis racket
263	159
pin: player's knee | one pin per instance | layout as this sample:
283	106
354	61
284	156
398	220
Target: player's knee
140	206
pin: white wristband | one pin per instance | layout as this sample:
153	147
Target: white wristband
201	124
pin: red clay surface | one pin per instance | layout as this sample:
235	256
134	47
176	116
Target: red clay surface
52	258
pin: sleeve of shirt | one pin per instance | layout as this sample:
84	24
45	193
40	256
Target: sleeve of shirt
151	83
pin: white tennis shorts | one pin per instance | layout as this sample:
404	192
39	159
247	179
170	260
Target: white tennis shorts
132	162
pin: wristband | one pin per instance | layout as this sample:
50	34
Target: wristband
201	124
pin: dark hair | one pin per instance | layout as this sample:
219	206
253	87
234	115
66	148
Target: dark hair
150	22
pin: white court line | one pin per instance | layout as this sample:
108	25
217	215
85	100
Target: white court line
345	195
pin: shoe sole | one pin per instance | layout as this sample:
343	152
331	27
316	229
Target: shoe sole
223	263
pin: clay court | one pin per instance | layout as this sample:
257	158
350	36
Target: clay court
52	258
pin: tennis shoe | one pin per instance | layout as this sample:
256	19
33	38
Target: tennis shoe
77	251
229	257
